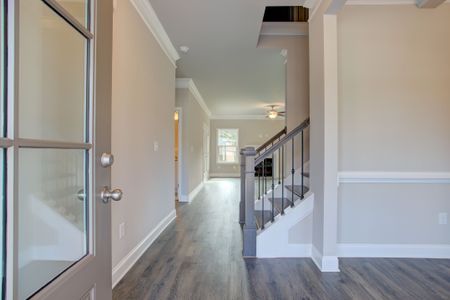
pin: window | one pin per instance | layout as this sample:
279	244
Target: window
227	146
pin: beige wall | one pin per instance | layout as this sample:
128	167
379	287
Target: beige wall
193	118
142	114
251	133
394	108
323	111
297	75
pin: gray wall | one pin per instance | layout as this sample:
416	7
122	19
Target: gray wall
142	114
192	119
251	133
394	116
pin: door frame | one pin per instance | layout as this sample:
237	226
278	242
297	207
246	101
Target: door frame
98	258
180	152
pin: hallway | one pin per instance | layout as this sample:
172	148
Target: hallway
199	257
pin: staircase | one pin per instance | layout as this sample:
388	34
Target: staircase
274	190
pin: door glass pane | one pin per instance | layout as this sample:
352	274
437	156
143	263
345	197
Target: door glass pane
77	8
52	89
52	215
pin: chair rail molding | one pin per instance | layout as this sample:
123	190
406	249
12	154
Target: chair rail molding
148	15
353	177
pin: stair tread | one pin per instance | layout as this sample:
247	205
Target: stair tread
297	189
259	217
277	202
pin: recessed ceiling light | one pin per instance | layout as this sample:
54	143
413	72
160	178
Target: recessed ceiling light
184	49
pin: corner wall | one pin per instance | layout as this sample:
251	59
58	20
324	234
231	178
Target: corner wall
142	137
193	118
394	124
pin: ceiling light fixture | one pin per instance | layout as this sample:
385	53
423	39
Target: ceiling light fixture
272	114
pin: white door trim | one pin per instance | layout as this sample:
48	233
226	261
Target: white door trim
180	151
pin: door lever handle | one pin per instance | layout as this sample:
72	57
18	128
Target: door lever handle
106	195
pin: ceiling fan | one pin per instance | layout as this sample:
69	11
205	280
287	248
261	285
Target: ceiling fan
272	113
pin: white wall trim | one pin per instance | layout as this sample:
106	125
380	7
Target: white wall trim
183	198
188	83
131	258
394	250
274	240
289	250
243	117
395	177
284	28
324	263
148	15
224	175
195	191
383	2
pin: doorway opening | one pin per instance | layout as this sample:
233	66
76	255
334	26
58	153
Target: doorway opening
177	151
206	142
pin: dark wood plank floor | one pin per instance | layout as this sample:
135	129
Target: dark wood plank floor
199	257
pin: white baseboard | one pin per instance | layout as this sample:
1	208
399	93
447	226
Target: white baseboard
224	175
191	196
183	198
324	263
131	258
394	250
195	191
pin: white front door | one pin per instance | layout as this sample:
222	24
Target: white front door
55	121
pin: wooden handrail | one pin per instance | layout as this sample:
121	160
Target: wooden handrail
271	140
282	141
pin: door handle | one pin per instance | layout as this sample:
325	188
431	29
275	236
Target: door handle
106	195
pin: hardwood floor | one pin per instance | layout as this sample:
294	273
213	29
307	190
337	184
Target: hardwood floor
199	257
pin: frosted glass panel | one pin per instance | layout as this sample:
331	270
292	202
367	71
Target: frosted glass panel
52	76
77	8
52	217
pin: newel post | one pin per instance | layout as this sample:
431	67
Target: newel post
249	231
242	201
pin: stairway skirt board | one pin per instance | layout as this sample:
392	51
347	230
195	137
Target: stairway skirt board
289	209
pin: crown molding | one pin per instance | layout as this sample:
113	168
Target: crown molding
284	29
243	117
188	83
380	2
148	15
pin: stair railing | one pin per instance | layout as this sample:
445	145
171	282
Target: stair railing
264	163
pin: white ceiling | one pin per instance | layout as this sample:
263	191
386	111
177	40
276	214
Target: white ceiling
233	76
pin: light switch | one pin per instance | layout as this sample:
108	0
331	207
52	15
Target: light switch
443	216
155	146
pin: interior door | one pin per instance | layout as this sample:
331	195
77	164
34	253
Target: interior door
56	100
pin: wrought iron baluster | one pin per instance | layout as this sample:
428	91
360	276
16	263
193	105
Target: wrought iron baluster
292	173
282	180
302	162
263	196
273	188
